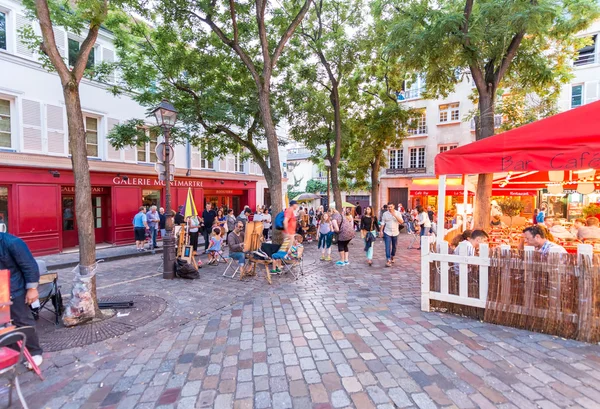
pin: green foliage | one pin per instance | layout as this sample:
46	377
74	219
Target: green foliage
432	38
316	186
511	206
291	193
591	210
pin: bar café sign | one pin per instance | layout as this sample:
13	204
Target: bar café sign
155	182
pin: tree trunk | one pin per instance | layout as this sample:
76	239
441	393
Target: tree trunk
274	176
375	167
484	181
83	187
334	97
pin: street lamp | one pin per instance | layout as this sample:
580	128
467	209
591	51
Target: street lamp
166	116
327	164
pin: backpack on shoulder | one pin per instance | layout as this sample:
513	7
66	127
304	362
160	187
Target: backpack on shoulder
279	220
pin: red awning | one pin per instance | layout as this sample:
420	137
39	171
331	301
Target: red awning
431	192
567	141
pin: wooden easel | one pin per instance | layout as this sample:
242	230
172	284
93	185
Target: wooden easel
252	240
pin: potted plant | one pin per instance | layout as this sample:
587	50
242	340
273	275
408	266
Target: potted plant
511	207
591	210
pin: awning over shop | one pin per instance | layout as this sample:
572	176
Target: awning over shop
567	141
434	192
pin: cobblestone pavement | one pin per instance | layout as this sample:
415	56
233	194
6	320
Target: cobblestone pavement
340	337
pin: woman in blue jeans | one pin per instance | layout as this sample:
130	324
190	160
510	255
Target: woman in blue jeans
369	227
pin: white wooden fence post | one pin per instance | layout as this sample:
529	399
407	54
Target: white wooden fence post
425	285
463	271
484	252
443	268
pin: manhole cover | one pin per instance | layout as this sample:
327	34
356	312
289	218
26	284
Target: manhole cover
57	338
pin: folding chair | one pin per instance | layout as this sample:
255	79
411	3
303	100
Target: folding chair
230	265
296	261
49	291
10	359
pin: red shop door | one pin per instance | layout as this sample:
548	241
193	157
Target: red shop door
69	220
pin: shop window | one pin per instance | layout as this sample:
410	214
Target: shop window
444	148
91	136
68	212
576	96
2	30
450	112
150	198
146	152
396	159
417	158
5	128
3	209
74	47
97	211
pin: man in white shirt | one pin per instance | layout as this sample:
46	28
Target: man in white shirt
390	230
559	231
535	236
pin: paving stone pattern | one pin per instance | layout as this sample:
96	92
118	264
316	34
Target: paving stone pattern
340	337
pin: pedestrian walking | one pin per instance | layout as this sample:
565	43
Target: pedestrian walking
162	224
424	223
140	224
344	226
325	233
24	279
369	227
266	219
391	221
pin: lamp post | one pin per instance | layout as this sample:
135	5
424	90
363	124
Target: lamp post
166	116
327	163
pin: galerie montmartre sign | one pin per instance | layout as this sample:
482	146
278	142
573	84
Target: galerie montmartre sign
133	181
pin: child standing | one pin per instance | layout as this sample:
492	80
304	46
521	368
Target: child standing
214	247
325	236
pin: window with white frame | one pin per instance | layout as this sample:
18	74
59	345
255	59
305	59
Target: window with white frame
576	95
444	148
414	88
396	159
238	164
450	112
91	136
146	152
74	46
5	126
417	157
3	43
419	125
587	55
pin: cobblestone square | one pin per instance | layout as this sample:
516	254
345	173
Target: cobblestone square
339	337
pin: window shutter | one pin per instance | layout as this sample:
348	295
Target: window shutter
113	154
32	125
61	39
55	128
591	92
109	57
195	159
223	164
129	154
230	164
22	48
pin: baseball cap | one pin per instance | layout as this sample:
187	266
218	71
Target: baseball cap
293	202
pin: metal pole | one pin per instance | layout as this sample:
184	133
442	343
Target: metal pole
168	241
328	202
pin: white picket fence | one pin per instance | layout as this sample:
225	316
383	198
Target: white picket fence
442	260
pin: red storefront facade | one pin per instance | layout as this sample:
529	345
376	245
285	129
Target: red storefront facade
38	204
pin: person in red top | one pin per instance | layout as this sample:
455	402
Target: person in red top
290	223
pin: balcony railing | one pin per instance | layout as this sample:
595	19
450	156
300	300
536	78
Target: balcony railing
420	130
585	59
405	171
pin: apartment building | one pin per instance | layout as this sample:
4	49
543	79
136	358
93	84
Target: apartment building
36	181
444	124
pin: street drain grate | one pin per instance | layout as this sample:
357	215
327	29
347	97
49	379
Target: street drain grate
57	338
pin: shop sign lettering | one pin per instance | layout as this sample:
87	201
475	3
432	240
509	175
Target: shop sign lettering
224	192
134	181
71	189
560	161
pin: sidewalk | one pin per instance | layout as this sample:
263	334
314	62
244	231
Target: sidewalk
71	258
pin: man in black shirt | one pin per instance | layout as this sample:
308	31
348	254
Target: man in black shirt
208	215
179	219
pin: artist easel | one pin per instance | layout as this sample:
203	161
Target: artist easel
253	238
5	322
185	251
